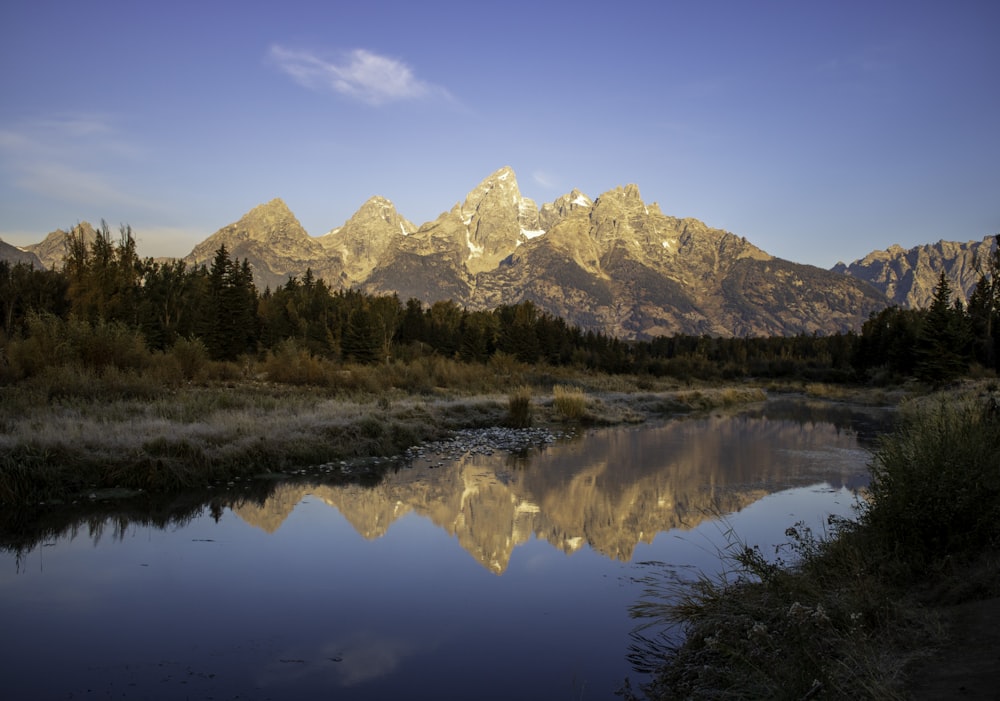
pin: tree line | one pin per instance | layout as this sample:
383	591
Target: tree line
106	282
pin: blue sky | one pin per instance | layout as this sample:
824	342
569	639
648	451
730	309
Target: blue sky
819	130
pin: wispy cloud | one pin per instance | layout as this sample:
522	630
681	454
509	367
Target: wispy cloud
69	183
362	75
546	180
67	158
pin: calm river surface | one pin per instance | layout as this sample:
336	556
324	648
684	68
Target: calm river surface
484	577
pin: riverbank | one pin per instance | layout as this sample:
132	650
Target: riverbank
880	608
126	435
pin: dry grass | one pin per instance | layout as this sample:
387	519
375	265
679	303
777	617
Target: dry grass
70	421
519	409
569	402
198	436
823	628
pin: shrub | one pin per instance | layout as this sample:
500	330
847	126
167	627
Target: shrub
291	364
935	487
519	413
105	345
192	357
51	341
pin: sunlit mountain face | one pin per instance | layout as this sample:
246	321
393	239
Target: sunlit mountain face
909	276
614	264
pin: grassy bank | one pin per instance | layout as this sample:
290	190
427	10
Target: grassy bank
851	612
73	430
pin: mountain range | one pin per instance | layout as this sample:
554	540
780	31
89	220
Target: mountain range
614	264
908	276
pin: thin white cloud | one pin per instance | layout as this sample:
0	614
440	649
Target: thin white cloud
362	75
544	179
56	156
67	183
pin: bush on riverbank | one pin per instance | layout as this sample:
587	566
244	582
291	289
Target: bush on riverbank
846	617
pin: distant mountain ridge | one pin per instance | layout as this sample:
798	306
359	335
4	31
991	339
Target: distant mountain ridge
613	264
908	276
15	255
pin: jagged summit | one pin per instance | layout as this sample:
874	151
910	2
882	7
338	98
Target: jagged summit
270	237
52	250
366	237
495	215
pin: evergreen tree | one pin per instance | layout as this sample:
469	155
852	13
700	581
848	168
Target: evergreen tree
232	304
984	309
413	324
166	303
941	339
23	289
444	331
478	333
361	342
889	340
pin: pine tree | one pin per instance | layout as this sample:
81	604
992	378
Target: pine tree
984	309
361	342
942	337
232	308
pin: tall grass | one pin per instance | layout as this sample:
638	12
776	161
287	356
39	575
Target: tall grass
519	410
570	402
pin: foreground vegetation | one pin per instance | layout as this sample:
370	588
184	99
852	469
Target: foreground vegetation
856	607
72	430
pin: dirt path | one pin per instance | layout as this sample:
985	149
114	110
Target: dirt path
968	666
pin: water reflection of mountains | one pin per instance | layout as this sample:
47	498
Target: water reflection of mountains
611	488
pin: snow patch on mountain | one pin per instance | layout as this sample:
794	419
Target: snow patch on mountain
474	250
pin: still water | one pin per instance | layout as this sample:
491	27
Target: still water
485	577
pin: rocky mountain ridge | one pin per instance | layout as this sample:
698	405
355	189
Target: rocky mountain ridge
613	264
908	276
15	255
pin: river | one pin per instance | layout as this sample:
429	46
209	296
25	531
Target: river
484	575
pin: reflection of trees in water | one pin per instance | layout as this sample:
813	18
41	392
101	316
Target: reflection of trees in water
866	422
24	529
